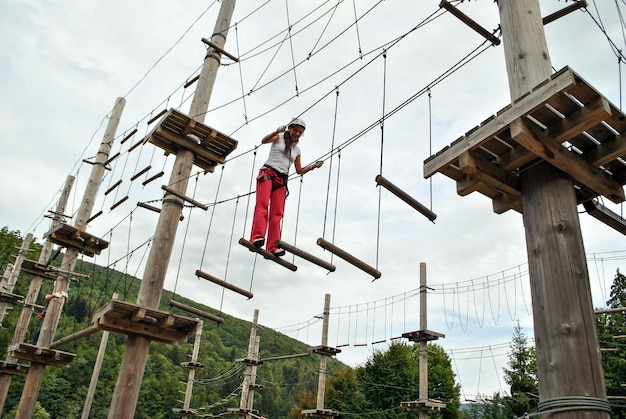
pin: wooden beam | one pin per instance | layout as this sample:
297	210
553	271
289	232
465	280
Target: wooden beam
564	11
470	22
584	118
554	153
348	258
224	284
487	172
426	212
74	336
196	311
608	151
304	255
608	217
220	50
184	197
267	255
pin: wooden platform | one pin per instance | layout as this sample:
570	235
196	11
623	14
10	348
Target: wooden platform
185	412
177	130
41	355
68	236
193	365
563	121
324	350
13	368
319	413
46	271
422	335
240	411
14	299
127	318
249	361
424	405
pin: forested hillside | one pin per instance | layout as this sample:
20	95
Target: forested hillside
285	382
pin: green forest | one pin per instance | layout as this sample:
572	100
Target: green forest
286	386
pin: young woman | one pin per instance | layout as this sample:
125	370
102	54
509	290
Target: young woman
271	183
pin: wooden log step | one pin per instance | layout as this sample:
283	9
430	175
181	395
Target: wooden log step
69	236
141	172
304	255
184	197
118	203
127	318
348	258
130	134
224	284
112	188
155	177
41	355
380	180
93	217
155	209
74	336
157	116
267	255
115	156
196	311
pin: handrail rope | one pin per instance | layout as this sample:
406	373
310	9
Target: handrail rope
330	168
382	149
245	220
293	60
243	96
334	9
206	241
232	234
356	25
295	233
336	202
182	247
430	143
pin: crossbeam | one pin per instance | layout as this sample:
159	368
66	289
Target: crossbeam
380	180
196	311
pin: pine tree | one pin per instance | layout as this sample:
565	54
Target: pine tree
521	375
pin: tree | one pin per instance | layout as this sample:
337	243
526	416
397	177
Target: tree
521	375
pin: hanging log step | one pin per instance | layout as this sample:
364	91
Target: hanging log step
267	255
196	311
155	209
380	180
178	131
68	236
132	319
304	255
48	272
223	283
41	355
422	335
13	368
150	179
348	258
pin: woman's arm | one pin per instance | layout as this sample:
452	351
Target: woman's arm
302	170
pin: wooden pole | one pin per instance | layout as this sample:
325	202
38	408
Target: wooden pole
128	383
423	368
321	386
95	374
247	376
569	365
30	391
33	291
192	371
9	284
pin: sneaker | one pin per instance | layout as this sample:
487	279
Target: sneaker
258	242
279	252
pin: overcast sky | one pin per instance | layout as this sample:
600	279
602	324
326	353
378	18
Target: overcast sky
62	68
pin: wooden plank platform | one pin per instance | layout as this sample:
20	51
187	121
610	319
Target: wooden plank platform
319	413
68	236
563	121
13	368
325	350
422	335
48	272
185	412
424	405
41	355
193	365
249	361
127	318
241	411
177	130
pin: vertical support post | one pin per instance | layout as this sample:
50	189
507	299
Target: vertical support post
12	279
321	386
33	291
250	404
247	376
55	305
95	374
126	393
423	371
564	324
192	372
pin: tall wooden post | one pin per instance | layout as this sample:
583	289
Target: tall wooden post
133	364
192	371
9	284
321	386
568	355
33	291
55	305
247	376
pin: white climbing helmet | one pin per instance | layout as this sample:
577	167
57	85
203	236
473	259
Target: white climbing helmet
297	121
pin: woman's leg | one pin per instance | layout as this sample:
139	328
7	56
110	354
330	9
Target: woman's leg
277	208
260	218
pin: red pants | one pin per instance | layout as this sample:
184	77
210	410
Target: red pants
271	190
